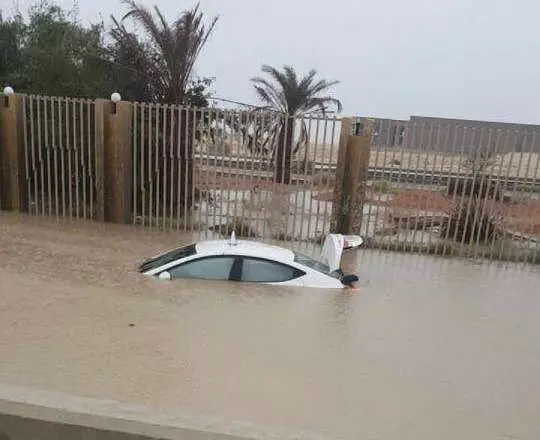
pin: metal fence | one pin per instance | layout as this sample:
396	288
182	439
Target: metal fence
452	189
432	186
60	158
240	179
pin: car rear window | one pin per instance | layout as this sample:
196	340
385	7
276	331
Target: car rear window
168	257
312	263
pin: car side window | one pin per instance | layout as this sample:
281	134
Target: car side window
265	271
209	268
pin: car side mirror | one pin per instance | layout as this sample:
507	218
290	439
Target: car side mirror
165	276
349	279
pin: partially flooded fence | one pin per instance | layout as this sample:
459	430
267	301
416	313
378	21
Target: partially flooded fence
429	186
215	170
454	188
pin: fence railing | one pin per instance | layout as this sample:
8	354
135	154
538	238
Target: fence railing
421	186
60	157
217	170
454	189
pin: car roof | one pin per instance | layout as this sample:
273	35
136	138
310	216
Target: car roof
243	247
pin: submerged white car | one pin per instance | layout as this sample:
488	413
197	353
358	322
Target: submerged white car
249	261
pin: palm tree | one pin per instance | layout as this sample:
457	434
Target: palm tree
161	67
292	97
170	50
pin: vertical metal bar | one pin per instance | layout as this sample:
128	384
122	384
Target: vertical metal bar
299	186
157	157
143	178
172	163
200	127
327	216
225	177
517	176
266	168
507	175
445	154
152	154
323	174
378	127
63	148
90	107
477	200
456	205
193	139
83	164
414	150
441	142
41	158
26	149
480	208
163	209
308	176
381	200
256	158
411	129
323	155
179	165
185	130
55	154
517	180
246	175
152	177
433	146
136	159
48	150
240	165
497	177
35	171
70	150
471	196
419	174
76	159
205	168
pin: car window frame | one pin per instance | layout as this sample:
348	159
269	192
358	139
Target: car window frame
168	257
299	272
200	258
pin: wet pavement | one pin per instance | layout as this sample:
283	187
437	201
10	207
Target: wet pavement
427	348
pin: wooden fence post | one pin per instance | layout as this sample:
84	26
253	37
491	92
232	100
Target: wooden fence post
351	181
114	150
13	183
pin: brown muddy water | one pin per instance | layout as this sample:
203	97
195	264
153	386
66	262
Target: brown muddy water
427	348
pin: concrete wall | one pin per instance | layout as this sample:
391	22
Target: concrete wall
32	414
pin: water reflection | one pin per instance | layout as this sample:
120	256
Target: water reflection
426	348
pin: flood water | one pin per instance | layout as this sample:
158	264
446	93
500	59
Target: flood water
427	348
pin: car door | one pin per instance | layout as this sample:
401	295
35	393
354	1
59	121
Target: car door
216	267
260	270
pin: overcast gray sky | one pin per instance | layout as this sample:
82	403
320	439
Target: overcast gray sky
458	58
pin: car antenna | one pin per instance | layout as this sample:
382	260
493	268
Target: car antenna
232	240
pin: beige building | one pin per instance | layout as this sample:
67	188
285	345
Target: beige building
453	135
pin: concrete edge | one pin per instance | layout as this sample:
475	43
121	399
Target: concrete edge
111	415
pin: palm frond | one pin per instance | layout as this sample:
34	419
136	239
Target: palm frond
286	93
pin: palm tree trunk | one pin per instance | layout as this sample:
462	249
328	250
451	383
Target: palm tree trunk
284	151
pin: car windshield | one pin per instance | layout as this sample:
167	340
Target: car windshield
312	263
168	257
